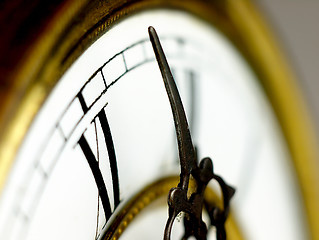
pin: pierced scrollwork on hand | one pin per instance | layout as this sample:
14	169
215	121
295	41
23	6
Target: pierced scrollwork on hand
203	173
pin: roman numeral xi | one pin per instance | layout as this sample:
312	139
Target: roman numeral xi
94	165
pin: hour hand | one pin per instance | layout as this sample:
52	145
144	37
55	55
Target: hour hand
178	200
185	145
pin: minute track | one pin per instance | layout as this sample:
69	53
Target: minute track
59	136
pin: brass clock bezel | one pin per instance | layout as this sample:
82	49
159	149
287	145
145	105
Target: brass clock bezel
77	24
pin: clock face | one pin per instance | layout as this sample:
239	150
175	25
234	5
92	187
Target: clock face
106	132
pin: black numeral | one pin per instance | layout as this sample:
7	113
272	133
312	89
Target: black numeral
94	165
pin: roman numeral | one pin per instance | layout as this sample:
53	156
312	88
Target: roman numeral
94	165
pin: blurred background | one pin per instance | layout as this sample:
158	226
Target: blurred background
295	24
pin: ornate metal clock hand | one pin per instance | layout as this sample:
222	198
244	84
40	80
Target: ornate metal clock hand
177	199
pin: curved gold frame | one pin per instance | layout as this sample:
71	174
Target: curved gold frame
66	37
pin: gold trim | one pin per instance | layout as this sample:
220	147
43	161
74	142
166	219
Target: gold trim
150	194
22	110
65	38
282	90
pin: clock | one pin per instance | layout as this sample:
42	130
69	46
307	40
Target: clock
88	145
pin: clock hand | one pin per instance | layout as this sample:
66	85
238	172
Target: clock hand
186	149
185	146
177	199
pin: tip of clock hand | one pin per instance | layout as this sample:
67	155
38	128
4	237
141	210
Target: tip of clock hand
160	56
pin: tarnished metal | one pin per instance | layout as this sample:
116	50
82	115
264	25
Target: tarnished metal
203	173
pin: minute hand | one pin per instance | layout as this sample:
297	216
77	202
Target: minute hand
185	145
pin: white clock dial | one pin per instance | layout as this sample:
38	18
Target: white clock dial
106	131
